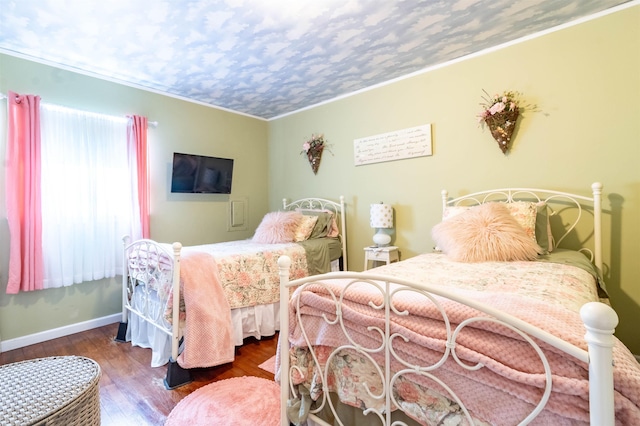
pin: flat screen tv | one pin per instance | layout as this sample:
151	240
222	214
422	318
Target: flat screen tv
197	174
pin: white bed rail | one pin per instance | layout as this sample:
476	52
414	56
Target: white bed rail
600	321
149	265
175	322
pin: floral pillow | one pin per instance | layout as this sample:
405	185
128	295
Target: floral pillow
525	213
326	225
278	227
334	231
306	225
485	233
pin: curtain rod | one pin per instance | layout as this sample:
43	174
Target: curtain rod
149	123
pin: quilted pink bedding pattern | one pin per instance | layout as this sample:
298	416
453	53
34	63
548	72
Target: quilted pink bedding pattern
249	271
508	387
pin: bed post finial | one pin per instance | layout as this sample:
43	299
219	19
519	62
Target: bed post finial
600	320
284	262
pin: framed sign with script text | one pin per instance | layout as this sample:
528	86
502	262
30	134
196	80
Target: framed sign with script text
397	145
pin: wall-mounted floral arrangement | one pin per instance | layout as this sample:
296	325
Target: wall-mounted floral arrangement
500	114
314	148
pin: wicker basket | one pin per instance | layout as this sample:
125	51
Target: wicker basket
50	391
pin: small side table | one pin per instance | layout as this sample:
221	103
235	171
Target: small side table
380	254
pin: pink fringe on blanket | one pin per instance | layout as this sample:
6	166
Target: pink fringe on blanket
208	331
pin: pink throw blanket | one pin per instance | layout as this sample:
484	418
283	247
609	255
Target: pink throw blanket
208	332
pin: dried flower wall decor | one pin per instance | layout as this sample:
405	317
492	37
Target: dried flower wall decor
314	148
500	114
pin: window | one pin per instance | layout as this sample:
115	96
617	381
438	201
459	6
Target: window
87	195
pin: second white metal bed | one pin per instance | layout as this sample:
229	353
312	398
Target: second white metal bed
410	332
153	304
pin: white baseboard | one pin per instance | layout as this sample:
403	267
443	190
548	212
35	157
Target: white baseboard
43	336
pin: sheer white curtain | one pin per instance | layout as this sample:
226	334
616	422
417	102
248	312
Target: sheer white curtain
86	195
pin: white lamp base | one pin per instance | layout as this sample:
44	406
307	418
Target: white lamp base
381	239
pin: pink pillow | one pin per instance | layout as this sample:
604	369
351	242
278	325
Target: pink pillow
278	227
331	230
334	232
485	233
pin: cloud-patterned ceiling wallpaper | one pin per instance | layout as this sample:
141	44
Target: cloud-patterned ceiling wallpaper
267	58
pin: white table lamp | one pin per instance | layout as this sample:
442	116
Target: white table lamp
381	217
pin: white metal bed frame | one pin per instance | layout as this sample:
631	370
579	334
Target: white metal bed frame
600	321
154	272
322	204
551	197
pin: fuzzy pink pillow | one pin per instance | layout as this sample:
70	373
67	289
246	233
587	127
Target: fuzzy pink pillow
278	227
485	233
524	212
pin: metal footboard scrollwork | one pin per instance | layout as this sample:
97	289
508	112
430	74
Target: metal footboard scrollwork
150	280
384	344
572	206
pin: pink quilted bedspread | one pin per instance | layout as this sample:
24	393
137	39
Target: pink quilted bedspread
508	387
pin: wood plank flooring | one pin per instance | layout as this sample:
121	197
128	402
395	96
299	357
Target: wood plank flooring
131	391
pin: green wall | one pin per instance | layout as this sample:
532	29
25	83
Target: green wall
188	218
585	80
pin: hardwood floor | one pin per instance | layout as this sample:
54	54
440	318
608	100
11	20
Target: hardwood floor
131	391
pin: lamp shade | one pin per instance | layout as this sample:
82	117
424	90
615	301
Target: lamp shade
381	216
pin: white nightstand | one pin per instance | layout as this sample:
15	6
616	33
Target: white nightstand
380	254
